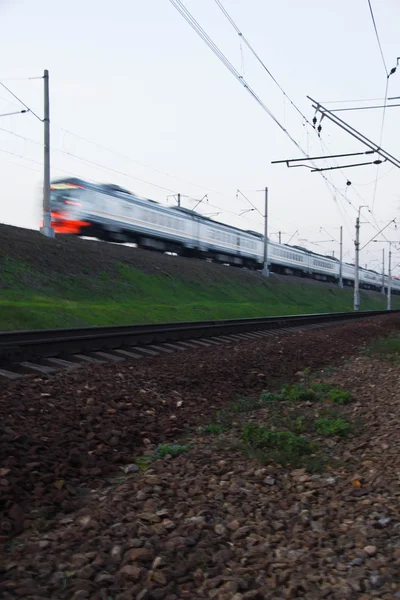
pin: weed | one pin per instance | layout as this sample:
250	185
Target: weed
386	347
328	371
259	436
224	419
143	462
298	392
321	388
330	411
247	404
270	398
326	426
316	392
170	449
295	424
338	396
213	429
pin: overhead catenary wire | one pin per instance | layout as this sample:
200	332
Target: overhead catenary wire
384	106
248	44
128	158
116	153
99	166
245	40
180	7
264	66
354	101
82	159
21	101
377	37
85	160
386	93
23	158
380	141
250	202
37	162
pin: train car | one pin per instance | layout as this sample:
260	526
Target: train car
111	213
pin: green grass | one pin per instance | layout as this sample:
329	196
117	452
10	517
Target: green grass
299	392
326	426
34	299
388	348
259	436
339	396
169	449
213	429
283	447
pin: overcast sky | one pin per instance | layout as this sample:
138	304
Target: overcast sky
133	77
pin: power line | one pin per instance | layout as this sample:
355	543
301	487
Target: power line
20	78
364	107
352	101
380	139
35	162
238	31
180	7
20	156
377	37
250	202
112	151
19	100
103	167
82	159
242	37
23	158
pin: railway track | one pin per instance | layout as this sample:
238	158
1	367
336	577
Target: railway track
46	351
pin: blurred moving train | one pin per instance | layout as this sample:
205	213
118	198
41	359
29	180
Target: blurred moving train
111	213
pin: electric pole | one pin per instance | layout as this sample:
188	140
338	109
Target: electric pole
179	199
356	281
389	285
47	230
265	270
389	292
280	236
357	261
341	259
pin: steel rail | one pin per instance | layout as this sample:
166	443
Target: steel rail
36	344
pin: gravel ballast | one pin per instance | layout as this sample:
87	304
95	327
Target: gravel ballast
210	523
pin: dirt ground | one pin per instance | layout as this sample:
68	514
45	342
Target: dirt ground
75	256
211	522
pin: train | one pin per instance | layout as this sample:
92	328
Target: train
111	213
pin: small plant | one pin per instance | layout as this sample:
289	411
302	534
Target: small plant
386	347
283	447
270	398
322	388
247	404
224	419
213	429
143	462
328	371
338	396
298	393
295	424
259	436
170	449
326	426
